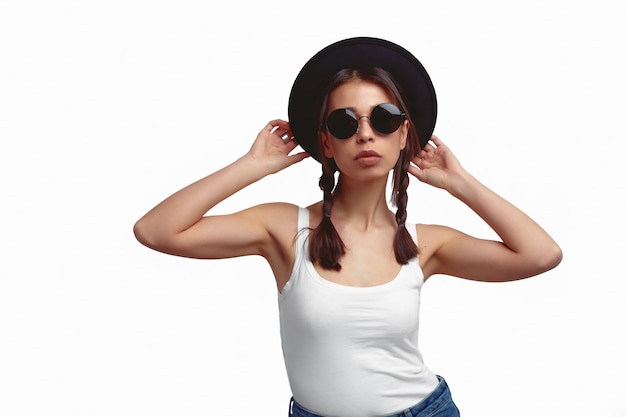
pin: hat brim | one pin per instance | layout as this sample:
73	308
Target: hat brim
362	52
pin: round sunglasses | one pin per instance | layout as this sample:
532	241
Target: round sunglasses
386	118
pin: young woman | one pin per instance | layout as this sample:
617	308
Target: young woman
348	269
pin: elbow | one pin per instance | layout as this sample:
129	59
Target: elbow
145	234
155	238
141	232
549	258
558	256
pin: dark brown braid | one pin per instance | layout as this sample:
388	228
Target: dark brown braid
404	246
326	246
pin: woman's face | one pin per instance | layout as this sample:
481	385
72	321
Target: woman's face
367	153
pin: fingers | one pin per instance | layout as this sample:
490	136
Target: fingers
297	157
417	172
433	143
277	124
426	156
281	129
430	150
438	143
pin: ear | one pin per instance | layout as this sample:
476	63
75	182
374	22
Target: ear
404	132
326	145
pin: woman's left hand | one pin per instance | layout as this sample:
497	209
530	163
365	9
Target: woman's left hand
436	165
524	249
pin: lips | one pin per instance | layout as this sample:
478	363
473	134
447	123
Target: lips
367	159
367	154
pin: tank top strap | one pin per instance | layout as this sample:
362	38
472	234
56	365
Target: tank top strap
300	255
303	225
302	233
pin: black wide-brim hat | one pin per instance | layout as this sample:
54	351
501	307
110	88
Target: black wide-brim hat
355	53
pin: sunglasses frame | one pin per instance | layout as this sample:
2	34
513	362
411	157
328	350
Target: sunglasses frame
390	108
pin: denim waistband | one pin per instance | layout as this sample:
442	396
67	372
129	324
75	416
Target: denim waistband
428	406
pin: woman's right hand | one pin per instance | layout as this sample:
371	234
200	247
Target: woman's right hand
270	150
180	225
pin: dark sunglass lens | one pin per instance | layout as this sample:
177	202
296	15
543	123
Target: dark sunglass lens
342	123
386	118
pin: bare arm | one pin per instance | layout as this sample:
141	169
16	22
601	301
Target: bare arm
525	248
178	225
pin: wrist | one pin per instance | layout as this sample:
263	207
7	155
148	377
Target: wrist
250	166
463	186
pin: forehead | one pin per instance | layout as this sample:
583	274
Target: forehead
359	95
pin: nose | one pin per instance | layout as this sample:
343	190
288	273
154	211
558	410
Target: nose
365	132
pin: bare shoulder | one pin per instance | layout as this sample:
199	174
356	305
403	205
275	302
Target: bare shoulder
280	219
269	210
430	238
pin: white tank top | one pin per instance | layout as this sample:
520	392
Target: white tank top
352	351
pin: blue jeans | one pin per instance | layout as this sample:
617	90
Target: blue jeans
438	404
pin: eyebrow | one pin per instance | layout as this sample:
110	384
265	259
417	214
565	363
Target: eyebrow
342	108
353	109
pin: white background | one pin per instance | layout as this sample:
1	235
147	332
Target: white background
107	107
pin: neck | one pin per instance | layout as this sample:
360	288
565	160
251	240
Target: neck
363	204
